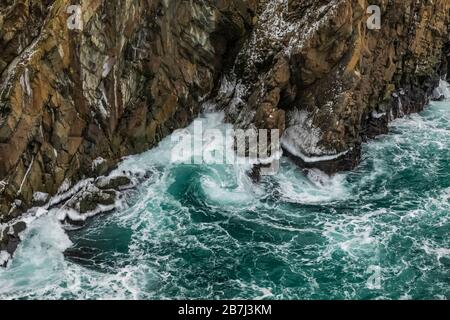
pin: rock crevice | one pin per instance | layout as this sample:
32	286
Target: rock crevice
129	74
314	70
73	102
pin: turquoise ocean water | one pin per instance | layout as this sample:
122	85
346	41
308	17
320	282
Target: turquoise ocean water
381	231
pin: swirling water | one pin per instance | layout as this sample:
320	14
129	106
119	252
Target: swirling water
381	231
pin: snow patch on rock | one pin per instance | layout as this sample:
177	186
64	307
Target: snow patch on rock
97	162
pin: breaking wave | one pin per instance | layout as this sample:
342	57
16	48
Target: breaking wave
208	232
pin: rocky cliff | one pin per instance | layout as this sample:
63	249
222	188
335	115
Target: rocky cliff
83	86
316	71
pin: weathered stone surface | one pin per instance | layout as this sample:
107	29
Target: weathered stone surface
140	69
90	199
315	71
115	183
134	73
10	239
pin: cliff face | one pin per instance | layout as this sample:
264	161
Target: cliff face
316	71
76	95
73	101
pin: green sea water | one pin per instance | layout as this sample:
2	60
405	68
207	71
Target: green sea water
206	232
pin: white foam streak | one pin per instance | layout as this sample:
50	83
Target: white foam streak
291	227
37	260
316	187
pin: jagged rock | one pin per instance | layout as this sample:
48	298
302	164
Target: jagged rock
90	198
40	199
116	182
314	70
9	241
100	167
19	227
133	73
90	201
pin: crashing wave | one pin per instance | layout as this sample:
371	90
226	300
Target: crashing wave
442	92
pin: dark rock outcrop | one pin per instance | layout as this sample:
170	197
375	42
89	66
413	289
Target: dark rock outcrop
75	100
314	70
125	77
9	241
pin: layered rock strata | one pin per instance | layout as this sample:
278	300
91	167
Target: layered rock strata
84	83
325	75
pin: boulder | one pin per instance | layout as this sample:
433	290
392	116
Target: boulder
10	240
114	182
